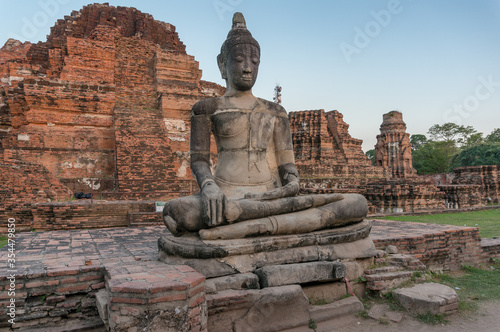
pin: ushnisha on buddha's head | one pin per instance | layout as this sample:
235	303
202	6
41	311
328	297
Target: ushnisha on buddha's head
239	57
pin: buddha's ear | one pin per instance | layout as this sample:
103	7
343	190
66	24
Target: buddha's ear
222	68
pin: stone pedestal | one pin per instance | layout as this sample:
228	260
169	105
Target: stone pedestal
225	257
286	275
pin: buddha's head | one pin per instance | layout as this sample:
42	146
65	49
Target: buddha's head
239	56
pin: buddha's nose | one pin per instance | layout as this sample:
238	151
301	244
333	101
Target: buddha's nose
247	68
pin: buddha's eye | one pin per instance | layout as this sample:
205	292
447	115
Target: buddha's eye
255	60
239	58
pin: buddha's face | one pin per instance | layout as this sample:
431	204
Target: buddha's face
241	67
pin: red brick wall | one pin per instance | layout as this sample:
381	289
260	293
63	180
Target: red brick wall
22	182
486	177
448	250
54	294
73	215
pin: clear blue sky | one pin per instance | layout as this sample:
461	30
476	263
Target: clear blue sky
435	61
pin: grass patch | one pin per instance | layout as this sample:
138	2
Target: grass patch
485	220
432	319
315	301
3	241
363	314
312	324
474	284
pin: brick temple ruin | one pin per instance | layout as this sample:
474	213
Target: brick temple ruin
104	105
107	96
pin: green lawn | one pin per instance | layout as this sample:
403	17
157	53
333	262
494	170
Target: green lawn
3	241
488	221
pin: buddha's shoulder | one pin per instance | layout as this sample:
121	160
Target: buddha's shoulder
206	106
277	109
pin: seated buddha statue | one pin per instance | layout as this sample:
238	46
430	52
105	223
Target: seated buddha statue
254	188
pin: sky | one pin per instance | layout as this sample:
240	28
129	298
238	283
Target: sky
436	61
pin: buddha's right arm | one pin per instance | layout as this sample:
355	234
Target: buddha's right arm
213	199
200	148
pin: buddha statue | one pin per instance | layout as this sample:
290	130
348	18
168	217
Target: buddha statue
254	188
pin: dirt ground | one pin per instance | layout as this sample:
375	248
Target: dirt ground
485	319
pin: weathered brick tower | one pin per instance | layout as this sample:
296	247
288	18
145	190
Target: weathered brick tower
393	148
324	148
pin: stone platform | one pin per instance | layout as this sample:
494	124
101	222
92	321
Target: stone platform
218	258
58	273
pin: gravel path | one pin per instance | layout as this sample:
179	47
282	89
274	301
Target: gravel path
485	319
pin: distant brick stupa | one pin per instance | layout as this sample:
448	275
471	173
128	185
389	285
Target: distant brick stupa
393	148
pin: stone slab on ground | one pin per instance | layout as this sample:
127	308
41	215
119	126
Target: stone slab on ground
394	316
377	311
382	311
428	298
321	313
302	273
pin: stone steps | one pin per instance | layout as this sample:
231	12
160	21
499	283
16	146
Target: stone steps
400	269
94	324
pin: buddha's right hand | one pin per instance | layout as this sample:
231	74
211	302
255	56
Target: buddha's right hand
213	203
289	190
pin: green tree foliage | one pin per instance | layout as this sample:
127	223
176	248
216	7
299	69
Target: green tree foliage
451	145
371	155
434	157
483	154
417	141
494	137
473	140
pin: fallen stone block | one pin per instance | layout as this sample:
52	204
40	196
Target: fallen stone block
326	292
428	298
289	274
269	309
378	311
102	306
236	281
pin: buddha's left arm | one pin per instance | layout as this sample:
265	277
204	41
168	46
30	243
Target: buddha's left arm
284	154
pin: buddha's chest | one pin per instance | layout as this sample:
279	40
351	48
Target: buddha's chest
236	129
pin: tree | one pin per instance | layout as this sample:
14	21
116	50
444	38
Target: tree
494	137
434	157
417	141
371	155
473	140
484	154
452	132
